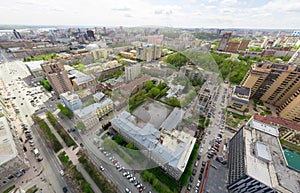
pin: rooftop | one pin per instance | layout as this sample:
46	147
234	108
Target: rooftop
69	96
91	109
99	95
81	78
242	91
261	126
134	83
34	65
172	121
8	149
172	147
275	173
278	120
219	172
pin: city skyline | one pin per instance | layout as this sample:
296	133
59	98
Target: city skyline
277	14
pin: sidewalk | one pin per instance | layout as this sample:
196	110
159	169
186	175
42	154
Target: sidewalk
87	177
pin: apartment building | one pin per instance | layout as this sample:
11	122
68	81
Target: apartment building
276	84
295	59
71	100
148	53
57	77
132	71
224	41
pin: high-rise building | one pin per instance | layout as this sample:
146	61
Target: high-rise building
57	77
90	34
256	161
224	41
232	46
148	53
295	59
244	44
276	84
132	71
17	34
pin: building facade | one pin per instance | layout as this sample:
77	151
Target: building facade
232	46
295	59
132	71
240	98
71	100
276	84
148	53
57	77
224	41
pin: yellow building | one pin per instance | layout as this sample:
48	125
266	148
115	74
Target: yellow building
276	84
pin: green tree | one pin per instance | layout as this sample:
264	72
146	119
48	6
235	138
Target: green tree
130	146
154	92
148	85
173	101
65	111
46	85
177	59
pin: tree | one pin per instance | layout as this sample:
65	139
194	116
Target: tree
148	85
154	92
130	146
174	102
65	111
177	59
46	85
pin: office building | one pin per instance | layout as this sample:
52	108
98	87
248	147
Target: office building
91	114
240	98
243	45
224	41
71	100
295	59
17	34
276	84
148	53
57	77
132	71
170	149
257	163
232	46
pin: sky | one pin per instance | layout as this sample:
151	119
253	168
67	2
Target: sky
275	14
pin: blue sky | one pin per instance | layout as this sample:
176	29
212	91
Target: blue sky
172	13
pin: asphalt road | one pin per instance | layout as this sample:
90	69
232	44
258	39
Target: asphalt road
9	73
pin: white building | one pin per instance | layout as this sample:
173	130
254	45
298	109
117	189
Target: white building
132	71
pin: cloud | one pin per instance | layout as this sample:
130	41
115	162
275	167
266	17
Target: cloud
167	9
121	9
127	15
227	2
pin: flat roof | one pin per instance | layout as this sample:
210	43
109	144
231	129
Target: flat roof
69	96
216	179
81	78
8	149
34	65
261	126
241	90
175	148
172	121
99	95
91	109
262	151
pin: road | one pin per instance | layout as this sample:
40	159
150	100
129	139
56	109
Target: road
217	123
9	73
99	159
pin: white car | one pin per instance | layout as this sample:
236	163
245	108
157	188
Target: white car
62	173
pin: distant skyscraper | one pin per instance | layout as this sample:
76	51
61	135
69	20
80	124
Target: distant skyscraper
57	77
224	41
90	34
17	34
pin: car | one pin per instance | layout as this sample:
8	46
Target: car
198	157
127	190
196	163
194	172
39	159
81	145
139	185
203	163
65	189
132	179
129	176
200	177
189	187
21	103
136	183
202	170
191	179
101	168
62	173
